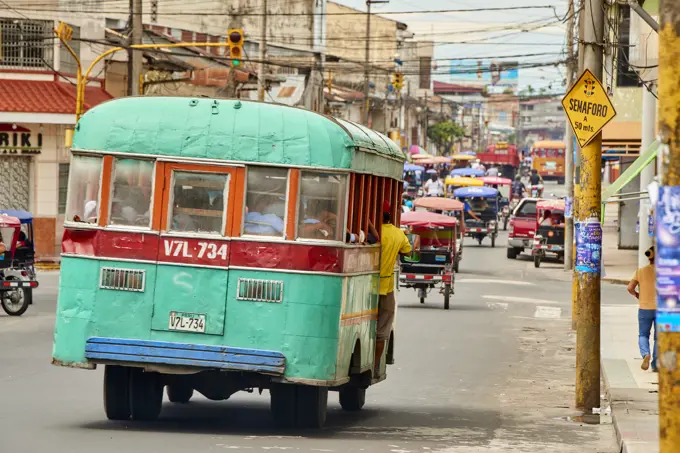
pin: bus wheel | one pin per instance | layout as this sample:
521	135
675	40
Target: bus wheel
352	398
146	395
283	404
312	405
179	393
117	392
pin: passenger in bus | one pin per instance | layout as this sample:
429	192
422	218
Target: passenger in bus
181	221
260	223
319	222
90	212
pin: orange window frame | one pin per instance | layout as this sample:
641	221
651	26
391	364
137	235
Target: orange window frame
234	201
105	188
292	200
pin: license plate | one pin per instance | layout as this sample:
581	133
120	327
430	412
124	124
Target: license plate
187	322
440	258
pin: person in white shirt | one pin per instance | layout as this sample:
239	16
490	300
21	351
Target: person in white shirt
493	171
434	187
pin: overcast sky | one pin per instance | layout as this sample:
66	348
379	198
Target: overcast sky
444	28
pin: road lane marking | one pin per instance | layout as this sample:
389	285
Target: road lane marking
548	312
499	282
494	305
525	300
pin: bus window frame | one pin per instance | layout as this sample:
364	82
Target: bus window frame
107	195
229	213
344	212
287	192
68	223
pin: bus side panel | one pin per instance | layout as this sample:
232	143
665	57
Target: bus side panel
78	286
358	322
303	326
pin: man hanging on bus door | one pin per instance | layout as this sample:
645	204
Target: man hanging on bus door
393	242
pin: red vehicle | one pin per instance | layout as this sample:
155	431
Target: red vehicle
503	156
549	237
522	227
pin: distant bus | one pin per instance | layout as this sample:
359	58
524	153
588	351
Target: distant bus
547	157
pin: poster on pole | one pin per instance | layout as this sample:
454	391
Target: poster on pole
667	259
588	107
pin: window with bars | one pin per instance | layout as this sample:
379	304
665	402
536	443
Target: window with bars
26	43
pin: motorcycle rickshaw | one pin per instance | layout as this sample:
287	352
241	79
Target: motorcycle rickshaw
432	264
454	182
496	182
549	237
483	201
453	208
17	275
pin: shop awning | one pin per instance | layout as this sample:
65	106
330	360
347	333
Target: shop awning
37	101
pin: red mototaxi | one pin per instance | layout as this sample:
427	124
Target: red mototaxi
9	284
548	238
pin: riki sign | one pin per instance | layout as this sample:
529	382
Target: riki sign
17	140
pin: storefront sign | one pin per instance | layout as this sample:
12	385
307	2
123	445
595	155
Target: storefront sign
16	140
667	259
588	246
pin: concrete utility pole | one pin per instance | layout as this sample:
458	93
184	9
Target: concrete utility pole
589	213
669	127
135	56
645	241
367	61
569	152
263	53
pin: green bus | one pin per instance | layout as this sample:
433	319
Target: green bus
217	245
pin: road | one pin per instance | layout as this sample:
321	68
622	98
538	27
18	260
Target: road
493	374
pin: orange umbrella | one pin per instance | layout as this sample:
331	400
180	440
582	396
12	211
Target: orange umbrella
439	204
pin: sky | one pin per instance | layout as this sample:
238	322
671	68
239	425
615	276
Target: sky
444	28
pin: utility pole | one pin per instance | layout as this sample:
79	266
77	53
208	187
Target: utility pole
645	241
135	56
569	153
575	307
263	53
367	61
666	214
587	219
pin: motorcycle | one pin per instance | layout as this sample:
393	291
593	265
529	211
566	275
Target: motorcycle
537	191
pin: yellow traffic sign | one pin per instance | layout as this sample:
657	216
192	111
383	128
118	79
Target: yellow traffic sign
588	107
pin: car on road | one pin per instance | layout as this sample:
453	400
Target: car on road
522	227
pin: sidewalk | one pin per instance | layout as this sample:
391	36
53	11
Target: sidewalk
632	392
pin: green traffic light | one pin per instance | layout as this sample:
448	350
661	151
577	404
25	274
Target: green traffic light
236	62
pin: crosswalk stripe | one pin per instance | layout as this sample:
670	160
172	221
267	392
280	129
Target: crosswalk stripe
525	300
499	282
547	312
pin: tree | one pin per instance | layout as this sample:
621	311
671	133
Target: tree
444	134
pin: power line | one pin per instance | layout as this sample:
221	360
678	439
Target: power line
257	14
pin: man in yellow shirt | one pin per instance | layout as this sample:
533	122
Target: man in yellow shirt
643	287
393	242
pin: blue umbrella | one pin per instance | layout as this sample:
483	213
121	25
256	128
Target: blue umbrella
412	167
432	172
473	172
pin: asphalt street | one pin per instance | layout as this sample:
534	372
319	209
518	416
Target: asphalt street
493	374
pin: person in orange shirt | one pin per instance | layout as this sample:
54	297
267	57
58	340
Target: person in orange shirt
643	287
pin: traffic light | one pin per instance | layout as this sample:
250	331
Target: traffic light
398	81
235	40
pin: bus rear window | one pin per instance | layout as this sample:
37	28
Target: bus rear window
198	203
132	182
551	153
322	206
82	204
266	201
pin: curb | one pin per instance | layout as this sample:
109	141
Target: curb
47	266
619	437
615	280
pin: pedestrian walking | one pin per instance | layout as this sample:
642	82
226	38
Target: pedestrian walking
393	242
434	187
642	287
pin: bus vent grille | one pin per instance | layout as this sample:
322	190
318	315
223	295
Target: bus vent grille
122	279
259	290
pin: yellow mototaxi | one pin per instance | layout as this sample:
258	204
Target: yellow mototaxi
454	182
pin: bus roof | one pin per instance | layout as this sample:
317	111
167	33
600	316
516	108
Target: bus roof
549	144
235	130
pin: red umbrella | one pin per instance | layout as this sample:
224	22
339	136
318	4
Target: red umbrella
495	181
427	219
439	204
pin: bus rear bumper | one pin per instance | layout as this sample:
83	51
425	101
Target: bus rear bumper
186	355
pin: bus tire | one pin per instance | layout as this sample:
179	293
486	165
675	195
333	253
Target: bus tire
179	393
117	392
146	395
312	406
283	404
352	398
